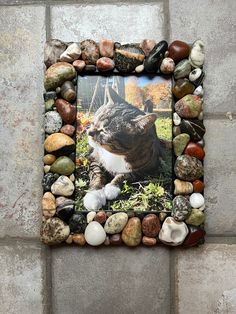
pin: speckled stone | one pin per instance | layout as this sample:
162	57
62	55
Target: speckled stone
181	208
189	106
116	223
167	66
132	233
100	217
54	231
63	186
196	217
48	180
52	122
79	65
57	74
182	69
180	142
106	48
90	51
197	54
63	165
68	129
188	168
105	64
151	225
52	50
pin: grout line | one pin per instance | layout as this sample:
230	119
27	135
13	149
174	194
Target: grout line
166	20
47	281
172	274
48	22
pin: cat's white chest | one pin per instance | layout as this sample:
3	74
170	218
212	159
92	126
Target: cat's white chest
113	163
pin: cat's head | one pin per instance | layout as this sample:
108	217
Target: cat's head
120	127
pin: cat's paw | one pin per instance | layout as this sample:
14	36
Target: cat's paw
111	191
94	199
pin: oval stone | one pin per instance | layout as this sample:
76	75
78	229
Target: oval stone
151	225
197	54
178	50
68	91
182	187
147	46
115	239
198	186
116	223
59	143
78	223
132	233
196	235
66	110
196	200
194	150
149	241
188	168
48	205
79	65
181	208
167	66
106	48
182	87
153	61
189	106
180	142
54	231
49	159
57	74
194	128
72	53
182	69
90	51
196	217
48	180
95	234
63	165
105	64
65	208
100	217
52	122
79	239
68	129
63	186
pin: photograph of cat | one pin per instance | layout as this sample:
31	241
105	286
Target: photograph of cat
123	140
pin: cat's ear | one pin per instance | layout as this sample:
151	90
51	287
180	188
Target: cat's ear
113	97
145	122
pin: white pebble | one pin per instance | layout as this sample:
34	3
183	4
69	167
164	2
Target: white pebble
46	168
196	200
176	119
199	91
94	234
90	216
139	68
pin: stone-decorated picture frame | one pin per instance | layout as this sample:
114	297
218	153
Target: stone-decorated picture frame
89	101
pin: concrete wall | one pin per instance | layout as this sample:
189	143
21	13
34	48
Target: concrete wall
65	280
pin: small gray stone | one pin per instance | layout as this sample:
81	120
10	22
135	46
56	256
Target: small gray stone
53	122
63	186
181	208
182	69
199	91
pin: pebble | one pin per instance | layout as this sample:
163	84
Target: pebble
151	225
132	232
69	240
195	236
196	76
48	180
90	216
100	217
182	69
72	176
139	68
65	208
189	106
59	143
63	165
115	239
79	65
194	128
52	122
68	129
107	241
57	74
182	88
68	91
79	239
90	51
198	186
162	216
167	66
106	48
178	50
149	241
46	168
197	54
49	104
72	53
196	200
105	64
200	116
77	223
52	50
66	110
196	218
181	208
52	95
180	142
147	46
54	231
90	68
194	150
176	130
176	119
128	57
173	232
182	187
63	186
48	205
116	223
49	159
188	168
199	91
153	61
201	143
94	234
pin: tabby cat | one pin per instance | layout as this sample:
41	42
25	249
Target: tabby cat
124	147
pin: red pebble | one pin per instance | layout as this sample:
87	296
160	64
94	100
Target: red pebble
68	129
79	65
198	186
100	217
66	110
178	50
196	234
194	150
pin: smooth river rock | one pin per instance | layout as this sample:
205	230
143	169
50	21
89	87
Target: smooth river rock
147	46
188	168
196	200
90	51
66	110
95	234
105	64
182	69
63	186
59	143
182	187
54	231
189	106
194	128
195	236
116	223
128	57
182	88
106	48
195	150
68	91
198	186
63	165
167	66
77	223
196	217
151	225
197	54
153	61
132	233
180	142
48	205
178	50
72	53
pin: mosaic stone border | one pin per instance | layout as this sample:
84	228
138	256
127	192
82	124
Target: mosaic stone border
184	225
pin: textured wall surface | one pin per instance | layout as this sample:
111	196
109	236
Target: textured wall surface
35	279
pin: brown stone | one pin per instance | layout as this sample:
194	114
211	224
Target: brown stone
100	217
79	65
132	233
105	64
151	225
58	141
106	48
147	45
66	110
198	186
90	51
182	87
195	150
149	241
48	205
68	129
49	159
79	239
178	50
